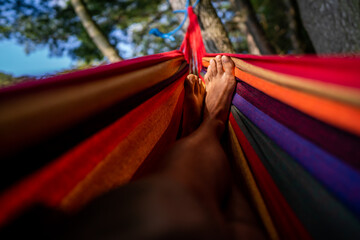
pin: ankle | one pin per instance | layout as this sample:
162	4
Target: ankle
214	126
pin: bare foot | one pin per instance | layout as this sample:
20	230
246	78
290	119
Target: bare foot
220	85
193	104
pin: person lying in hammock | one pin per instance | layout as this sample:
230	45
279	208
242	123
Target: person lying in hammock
192	194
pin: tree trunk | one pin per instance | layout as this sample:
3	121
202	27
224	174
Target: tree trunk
252	47
333	25
244	7
239	22
293	26
213	31
94	32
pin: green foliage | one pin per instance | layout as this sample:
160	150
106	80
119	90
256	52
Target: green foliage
272	16
5	79
8	79
269	12
126	23
226	13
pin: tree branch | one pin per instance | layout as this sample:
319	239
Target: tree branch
100	40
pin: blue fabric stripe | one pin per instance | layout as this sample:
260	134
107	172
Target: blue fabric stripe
339	178
322	214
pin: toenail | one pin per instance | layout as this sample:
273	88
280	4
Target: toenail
218	57
225	58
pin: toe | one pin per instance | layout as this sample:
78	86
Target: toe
196	84
211	71
228	64
201	87
189	83
219	65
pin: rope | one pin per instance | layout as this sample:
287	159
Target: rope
170	34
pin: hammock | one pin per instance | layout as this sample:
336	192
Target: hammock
293	129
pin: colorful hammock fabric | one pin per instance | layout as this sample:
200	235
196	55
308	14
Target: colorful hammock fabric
294	130
294	134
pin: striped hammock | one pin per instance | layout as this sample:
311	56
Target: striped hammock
294	130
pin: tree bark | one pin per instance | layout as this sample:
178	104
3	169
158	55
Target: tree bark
252	47
99	39
244	7
238	23
333	25
293	26
213	31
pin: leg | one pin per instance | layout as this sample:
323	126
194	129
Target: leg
199	164
198	161
193	104
184	199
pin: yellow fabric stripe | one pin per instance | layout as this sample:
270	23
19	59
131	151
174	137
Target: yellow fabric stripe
34	116
332	91
244	168
120	165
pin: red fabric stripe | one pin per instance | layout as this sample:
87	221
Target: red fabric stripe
288	224
91	73
344	71
53	182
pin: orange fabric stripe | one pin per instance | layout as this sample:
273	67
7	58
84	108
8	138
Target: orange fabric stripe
337	114
336	92
340	115
120	165
154	160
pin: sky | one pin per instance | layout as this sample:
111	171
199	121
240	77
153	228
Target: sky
15	61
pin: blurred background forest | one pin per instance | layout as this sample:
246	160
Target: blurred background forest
95	32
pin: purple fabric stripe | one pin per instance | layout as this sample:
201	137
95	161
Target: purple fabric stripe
340	179
339	143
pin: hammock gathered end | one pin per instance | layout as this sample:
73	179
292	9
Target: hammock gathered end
193	45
